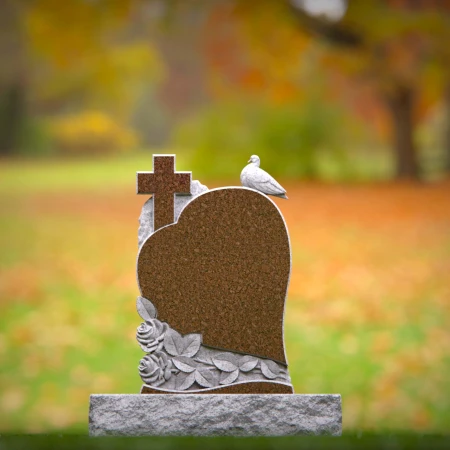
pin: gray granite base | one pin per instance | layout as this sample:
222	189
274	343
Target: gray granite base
215	414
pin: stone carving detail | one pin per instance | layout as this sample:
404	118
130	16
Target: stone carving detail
180	362
146	228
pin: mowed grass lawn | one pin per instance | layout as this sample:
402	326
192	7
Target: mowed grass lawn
368	310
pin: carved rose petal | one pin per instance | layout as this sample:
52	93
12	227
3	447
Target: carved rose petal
152	368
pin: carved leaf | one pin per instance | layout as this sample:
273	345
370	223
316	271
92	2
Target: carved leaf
184	381
191	344
225	362
184	364
269	369
248	363
227	378
173	342
205	378
203	359
145	308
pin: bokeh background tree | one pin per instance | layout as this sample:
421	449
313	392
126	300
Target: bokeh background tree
400	47
346	89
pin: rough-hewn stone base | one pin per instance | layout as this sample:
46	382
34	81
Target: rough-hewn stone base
214	414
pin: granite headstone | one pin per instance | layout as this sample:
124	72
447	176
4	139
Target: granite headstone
213	270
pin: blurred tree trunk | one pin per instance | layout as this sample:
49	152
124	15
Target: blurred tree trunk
12	77
12	116
400	105
447	129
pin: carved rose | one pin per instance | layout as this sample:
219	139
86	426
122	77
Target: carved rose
155	369
150	335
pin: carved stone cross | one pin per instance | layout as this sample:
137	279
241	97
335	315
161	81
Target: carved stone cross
163	183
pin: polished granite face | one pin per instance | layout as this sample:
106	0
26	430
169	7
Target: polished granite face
222	271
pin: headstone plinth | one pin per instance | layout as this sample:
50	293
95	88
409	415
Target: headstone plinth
213	270
215	415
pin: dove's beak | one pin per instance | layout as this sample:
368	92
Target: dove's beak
249	160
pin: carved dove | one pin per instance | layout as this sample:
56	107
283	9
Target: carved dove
254	177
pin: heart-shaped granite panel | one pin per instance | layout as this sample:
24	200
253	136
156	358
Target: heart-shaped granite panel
222	271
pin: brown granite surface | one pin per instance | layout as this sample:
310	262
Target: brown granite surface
254	387
163	183
222	271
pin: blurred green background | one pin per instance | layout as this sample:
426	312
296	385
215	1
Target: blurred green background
346	102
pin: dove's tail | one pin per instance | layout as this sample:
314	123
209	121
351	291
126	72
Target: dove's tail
282	196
